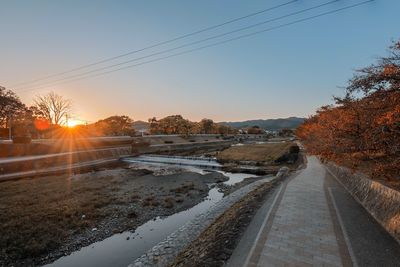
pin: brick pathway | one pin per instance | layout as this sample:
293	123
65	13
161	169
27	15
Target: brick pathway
301	232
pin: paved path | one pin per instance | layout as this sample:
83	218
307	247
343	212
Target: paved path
310	223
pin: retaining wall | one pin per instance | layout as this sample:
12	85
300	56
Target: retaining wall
40	163
45	161
183	147
382	202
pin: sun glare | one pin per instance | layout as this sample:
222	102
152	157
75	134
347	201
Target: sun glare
73	123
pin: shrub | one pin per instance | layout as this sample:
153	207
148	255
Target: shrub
294	149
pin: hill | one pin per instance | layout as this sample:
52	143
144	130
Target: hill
269	124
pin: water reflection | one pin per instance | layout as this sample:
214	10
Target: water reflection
122	249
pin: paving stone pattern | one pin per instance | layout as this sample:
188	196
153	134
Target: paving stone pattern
302	233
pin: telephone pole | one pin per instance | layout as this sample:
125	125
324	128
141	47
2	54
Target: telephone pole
66	120
9	126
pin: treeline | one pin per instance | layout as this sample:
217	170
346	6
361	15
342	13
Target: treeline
49	115
176	124
48	118
362	129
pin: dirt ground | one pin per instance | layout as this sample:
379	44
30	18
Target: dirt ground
44	218
261	153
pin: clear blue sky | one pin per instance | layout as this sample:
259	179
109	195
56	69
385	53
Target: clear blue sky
287	72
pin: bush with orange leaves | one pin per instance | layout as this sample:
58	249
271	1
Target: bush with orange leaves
363	128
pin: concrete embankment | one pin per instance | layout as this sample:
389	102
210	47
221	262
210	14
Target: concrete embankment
18	167
184	147
52	146
20	164
382	202
62	145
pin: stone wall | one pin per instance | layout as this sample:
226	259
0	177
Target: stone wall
382	202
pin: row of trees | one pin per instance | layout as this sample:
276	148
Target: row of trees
176	124
48	111
363	127
52	107
51	111
47	116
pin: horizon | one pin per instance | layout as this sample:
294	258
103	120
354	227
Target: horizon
240	80
257	119
200	133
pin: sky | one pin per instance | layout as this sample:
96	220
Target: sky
290	71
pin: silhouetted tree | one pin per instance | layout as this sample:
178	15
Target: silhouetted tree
53	107
115	125
206	126
10	106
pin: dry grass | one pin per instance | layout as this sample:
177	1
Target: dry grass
38	214
265	153
216	243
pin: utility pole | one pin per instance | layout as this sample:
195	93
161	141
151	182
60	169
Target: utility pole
9	126
66	119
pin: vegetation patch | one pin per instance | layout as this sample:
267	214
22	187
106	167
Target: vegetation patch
362	131
259	153
216	244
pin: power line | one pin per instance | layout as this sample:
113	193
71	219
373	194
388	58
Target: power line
217	43
159	43
191	43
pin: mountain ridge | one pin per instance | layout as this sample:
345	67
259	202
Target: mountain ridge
267	124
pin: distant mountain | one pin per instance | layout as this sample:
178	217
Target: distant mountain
270	124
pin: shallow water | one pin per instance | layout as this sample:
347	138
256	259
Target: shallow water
118	250
174	160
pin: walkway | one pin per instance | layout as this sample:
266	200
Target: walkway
304	227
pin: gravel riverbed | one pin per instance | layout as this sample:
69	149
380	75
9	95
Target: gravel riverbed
46	218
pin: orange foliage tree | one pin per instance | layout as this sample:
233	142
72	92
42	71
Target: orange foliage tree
362	128
176	124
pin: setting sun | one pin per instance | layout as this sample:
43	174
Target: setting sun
73	123
200	133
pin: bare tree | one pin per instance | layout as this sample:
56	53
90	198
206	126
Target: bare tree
53	107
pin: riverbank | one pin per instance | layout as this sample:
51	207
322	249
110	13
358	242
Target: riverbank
49	217
214	246
263	158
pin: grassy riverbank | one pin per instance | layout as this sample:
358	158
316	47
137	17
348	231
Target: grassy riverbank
259	153
48	217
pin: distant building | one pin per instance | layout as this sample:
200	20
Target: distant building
141	127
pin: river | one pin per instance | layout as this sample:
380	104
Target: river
122	249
